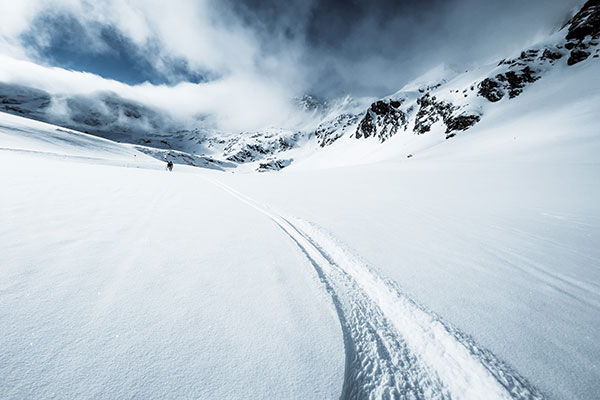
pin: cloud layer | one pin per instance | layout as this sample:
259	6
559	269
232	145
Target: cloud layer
238	63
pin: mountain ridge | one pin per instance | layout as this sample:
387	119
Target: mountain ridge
441	102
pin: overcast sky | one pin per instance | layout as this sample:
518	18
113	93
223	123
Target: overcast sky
197	54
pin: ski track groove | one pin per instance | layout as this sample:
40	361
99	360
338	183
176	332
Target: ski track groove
394	348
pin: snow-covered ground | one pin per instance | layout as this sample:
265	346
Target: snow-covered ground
470	270
496	230
121	280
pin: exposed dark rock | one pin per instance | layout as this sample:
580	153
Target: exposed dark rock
330	131
524	58
90	121
516	80
274	165
23	100
511	81
16	110
431	111
132	114
577	56
586	22
429	88
366	128
11	101
246	147
241	156
491	90
551	55
382	120
460	123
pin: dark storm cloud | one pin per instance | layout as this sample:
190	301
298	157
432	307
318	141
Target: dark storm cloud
375	46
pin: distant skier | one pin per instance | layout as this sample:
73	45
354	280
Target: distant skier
170	165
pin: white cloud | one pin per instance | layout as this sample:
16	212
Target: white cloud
248	92
237	102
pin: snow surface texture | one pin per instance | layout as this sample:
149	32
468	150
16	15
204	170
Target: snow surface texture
394	348
119	280
179	310
383	265
497	230
519	274
498	239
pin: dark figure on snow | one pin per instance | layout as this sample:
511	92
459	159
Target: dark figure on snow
170	165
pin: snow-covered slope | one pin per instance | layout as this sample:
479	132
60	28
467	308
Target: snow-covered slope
496	230
133	281
399	265
467	271
444	102
121	280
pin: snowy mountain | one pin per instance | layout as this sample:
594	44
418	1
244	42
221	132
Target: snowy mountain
437	243
454	103
105	115
444	103
440	103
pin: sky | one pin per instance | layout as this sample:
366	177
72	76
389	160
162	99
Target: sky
242	61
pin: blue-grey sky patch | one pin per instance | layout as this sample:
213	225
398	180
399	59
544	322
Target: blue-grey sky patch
62	40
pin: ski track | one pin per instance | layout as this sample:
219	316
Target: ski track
394	348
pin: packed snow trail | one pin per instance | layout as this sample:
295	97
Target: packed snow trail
395	348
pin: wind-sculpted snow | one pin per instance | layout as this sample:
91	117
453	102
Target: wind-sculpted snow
394	347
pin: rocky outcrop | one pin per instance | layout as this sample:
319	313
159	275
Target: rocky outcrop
583	32
585	23
383	120
515	81
248	147
432	110
274	165
330	131
23	100
511	82
386	118
491	89
461	122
